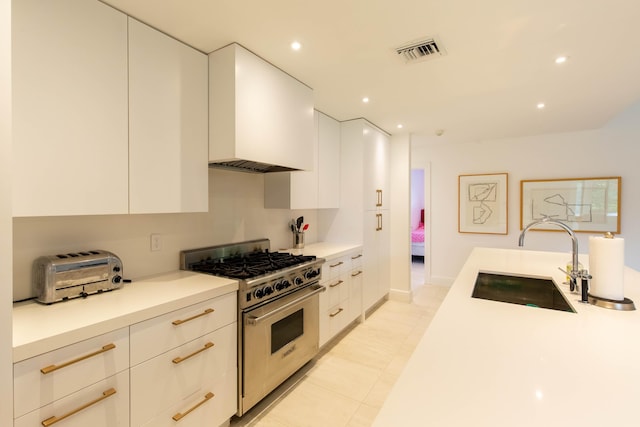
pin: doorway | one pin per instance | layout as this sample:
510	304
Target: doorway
420	253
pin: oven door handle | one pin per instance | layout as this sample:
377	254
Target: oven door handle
253	320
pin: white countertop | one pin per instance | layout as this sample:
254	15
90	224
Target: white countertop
40	328
326	250
487	363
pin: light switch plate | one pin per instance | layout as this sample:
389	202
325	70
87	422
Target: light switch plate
156	242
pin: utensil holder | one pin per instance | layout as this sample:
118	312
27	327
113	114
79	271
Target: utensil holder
298	240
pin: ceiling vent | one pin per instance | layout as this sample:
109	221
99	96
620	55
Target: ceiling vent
421	50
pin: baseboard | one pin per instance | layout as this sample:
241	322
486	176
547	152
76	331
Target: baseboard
400	295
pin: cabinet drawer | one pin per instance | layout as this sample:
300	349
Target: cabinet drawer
172	376
104	404
333	267
200	408
356	260
338	317
162	333
68	369
337	289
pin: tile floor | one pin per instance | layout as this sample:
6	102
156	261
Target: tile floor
346	384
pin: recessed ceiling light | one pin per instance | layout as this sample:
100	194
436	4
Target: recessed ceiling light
399	126
296	45
561	59
540	105
365	99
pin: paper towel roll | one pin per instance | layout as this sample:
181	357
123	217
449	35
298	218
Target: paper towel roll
606	266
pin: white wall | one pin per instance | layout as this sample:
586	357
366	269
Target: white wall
6	340
236	213
611	151
400	223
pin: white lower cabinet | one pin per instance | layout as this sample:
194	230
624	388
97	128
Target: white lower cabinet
103	404
180	378
184	365
342	302
178	366
50	376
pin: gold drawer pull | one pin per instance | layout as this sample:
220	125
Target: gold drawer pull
357	273
52	368
182	359
179	415
339	282
336	313
357	256
54	419
336	265
204	313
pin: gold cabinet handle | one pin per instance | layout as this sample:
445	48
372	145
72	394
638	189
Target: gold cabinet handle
379	219
54	419
51	368
357	256
336	313
182	359
180	415
333	285
357	273
336	265
204	313
379	195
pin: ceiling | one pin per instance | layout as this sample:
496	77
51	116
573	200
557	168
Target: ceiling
499	62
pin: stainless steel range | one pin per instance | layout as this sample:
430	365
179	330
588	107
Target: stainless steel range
277	310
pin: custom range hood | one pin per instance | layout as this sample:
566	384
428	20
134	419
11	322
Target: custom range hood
260	118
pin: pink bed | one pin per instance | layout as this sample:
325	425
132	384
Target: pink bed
417	237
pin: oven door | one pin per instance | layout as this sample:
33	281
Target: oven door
279	337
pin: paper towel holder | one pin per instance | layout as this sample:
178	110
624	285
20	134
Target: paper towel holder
624	305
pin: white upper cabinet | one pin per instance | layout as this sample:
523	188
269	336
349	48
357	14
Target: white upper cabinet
328	162
168	130
376	168
316	189
257	112
69	108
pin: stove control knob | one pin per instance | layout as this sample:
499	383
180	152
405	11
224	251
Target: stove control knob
311	274
258	293
279	286
268	290
286	284
298	280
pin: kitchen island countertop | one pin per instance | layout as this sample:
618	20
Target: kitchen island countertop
487	363
39	328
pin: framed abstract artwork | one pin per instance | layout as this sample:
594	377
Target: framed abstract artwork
482	203
589	205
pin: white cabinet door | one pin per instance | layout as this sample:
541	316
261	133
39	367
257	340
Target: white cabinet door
328	162
168	128
376	277
376	168
69	108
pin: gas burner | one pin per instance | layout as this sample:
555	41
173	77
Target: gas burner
262	275
250	265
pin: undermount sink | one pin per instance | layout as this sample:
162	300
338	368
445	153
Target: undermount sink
523	290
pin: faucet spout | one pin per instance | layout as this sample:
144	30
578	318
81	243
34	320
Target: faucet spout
574	243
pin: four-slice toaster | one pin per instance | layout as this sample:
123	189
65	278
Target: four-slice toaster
72	275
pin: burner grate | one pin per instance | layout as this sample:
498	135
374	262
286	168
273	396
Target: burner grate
250	265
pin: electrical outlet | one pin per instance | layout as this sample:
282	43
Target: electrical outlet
156	242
